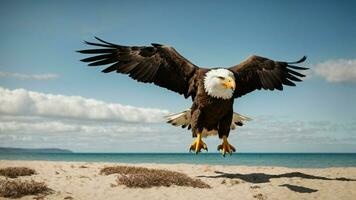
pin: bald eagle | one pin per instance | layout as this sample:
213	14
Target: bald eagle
212	90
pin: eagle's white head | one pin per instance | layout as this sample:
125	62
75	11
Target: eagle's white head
220	83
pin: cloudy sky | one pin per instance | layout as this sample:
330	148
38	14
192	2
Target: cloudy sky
50	99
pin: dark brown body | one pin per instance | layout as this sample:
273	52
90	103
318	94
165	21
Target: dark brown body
209	112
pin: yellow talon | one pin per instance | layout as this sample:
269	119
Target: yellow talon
198	144
225	147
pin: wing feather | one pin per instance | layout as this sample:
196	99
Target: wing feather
96	51
258	72
95	58
103	62
158	64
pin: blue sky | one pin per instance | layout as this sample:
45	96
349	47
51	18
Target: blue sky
40	38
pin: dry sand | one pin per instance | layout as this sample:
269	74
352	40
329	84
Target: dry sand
81	180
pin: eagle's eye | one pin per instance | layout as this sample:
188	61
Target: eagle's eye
221	77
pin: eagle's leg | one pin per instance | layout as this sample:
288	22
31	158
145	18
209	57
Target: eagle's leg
225	147
198	144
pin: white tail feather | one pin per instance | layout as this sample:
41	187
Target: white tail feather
179	119
238	119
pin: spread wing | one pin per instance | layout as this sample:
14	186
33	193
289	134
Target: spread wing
158	64
257	72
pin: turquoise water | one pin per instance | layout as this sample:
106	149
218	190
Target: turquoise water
300	160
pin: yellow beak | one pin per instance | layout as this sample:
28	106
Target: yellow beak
229	83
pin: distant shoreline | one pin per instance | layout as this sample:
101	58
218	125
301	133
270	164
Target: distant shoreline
33	150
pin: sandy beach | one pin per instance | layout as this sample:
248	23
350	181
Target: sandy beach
82	180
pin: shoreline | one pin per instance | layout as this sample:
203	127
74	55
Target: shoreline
81	180
250	159
107	163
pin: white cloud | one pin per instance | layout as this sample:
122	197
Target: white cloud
20	76
33	119
47	126
21	102
335	71
281	129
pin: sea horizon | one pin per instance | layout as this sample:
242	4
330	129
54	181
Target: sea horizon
291	160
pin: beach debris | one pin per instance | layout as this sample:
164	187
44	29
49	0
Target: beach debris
123	170
140	177
14	172
230	182
68	197
259	196
255	186
18	188
153	179
83	167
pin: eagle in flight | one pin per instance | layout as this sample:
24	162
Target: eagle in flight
212	91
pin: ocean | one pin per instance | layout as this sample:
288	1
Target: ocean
295	160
